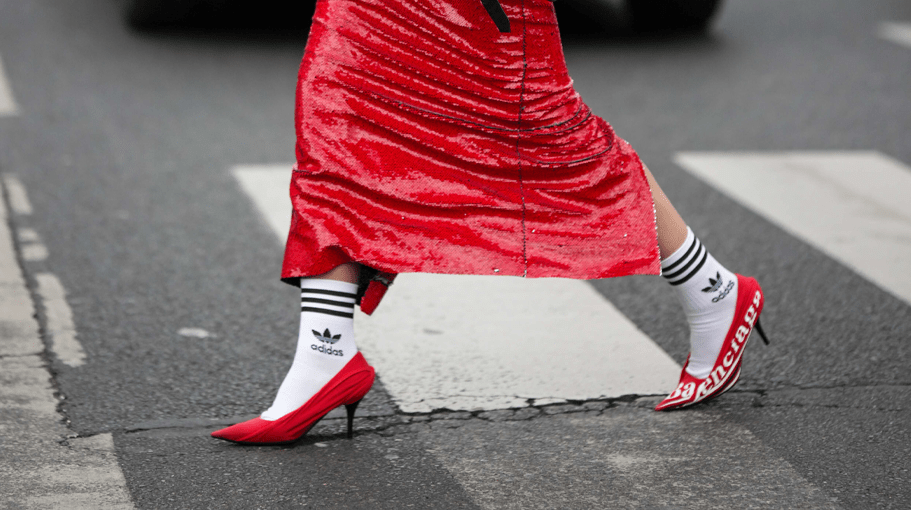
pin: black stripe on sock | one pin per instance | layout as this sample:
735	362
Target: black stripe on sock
705	256
686	266
327	312
327	302
685	255
329	293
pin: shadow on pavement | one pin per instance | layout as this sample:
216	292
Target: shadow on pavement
581	22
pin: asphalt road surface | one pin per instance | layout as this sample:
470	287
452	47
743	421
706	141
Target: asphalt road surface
783	136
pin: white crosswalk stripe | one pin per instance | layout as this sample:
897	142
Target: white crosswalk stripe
851	205
624	459
899	33
487	342
7	103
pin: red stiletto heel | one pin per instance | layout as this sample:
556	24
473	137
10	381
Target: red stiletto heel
726	371
347	388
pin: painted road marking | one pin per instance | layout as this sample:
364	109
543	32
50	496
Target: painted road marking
18	198
899	33
625	458
61	329
853	206
18	329
194	333
33	250
267	186
83	472
28	235
7	103
488	342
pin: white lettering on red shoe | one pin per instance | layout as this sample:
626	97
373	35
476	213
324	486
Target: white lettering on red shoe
721	373
723	376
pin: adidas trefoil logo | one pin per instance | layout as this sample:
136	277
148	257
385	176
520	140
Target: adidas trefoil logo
326	336
715	284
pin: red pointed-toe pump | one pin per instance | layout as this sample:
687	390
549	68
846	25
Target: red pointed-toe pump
347	388
726	370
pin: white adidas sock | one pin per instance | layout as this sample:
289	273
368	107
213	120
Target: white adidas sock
708	293
324	345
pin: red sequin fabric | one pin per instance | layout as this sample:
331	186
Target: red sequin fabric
430	141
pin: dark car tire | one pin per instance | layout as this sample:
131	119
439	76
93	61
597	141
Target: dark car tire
689	15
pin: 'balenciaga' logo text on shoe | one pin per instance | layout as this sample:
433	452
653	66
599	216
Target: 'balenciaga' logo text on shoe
720	374
328	338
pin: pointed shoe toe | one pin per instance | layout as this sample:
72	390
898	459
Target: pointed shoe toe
347	389
243	432
726	371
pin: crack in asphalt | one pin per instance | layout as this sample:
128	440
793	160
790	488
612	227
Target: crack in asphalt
384	421
841	386
525	413
11	356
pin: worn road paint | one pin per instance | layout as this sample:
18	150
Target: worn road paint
18	198
267	186
489	342
194	333
33	250
853	206
38	469
61	329
485	342
28	235
627	458
899	33
7	103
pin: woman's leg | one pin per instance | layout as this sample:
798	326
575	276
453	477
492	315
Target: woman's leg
343	273
706	290
671	227
325	341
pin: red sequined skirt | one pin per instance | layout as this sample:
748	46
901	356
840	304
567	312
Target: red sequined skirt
430	141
